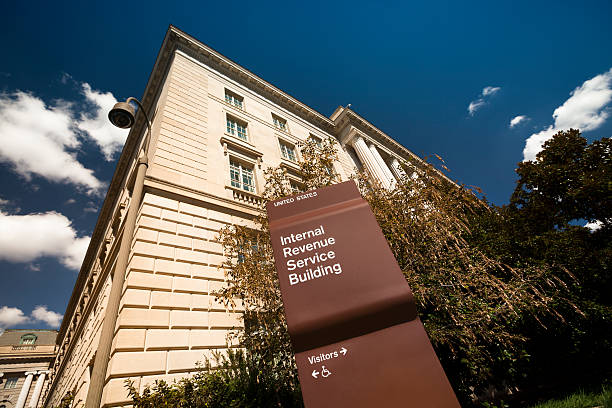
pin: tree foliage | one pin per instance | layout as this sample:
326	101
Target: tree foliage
569	180
250	267
569	183
482	291
468	301
238	379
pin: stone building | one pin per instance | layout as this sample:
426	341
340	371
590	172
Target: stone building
25	358
215	128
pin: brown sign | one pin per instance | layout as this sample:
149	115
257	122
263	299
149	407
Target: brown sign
350	313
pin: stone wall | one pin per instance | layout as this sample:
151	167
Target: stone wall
169	319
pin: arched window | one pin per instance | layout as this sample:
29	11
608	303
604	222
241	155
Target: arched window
29	338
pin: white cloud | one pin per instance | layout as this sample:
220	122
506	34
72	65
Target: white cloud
75	253
52	319
594	226
24	238
486	93
475	105
490	90
517	119
584	110
38	139
11	316
109	138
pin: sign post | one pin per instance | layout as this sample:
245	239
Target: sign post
351	316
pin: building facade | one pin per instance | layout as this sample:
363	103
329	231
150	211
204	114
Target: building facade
25	358
215	128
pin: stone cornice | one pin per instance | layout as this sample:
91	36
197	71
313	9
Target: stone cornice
118	181
36	358
177	39
349	117
111	199
240	145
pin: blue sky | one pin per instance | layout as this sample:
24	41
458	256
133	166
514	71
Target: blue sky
413	70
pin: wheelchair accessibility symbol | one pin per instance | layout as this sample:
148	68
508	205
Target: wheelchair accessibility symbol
325	372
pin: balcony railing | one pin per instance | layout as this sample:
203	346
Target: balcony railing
24	347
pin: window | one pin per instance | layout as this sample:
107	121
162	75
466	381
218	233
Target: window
236	128
28	339
11	382
316	140
234	99
288	151
279	123
241	176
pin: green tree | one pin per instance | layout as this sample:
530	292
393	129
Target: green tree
470	303
569	183
569	180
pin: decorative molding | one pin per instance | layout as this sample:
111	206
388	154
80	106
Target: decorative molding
180	192
240	145
375	135
288	164
244	196
192	47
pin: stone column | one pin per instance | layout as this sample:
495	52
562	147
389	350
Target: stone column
397	169
25	389
368	161
382	165
37	389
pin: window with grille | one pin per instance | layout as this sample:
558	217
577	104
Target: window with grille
234	99
288	151
236	128
279	123
241	176
11	382
28	339
316	140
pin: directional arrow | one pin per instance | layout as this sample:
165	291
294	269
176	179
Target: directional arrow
343	351
315	373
